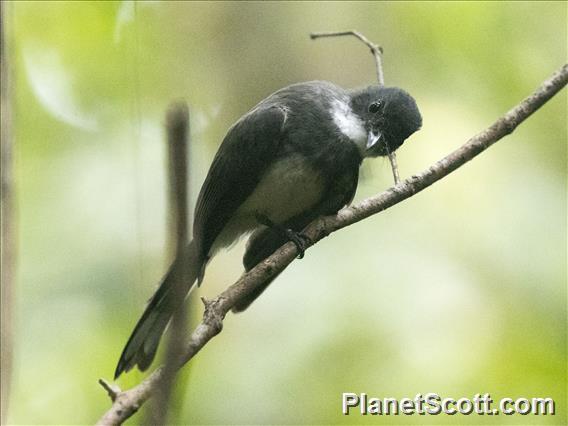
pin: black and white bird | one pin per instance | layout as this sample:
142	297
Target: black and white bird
293	157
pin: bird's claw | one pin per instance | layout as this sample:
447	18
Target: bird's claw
300	240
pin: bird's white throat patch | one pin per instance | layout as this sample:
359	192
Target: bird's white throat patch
349	124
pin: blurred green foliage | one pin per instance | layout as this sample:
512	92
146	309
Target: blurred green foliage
459	290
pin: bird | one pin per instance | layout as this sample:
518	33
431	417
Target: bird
293	157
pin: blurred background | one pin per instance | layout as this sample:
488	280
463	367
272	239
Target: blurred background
458	290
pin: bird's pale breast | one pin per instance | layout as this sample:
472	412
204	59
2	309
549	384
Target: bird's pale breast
289	187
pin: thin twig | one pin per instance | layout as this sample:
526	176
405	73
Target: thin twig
394	167
128	402
377	52
112	389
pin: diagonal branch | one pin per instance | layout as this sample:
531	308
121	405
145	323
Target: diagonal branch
126	403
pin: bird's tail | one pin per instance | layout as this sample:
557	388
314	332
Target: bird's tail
144	340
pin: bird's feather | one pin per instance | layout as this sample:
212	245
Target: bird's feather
248	149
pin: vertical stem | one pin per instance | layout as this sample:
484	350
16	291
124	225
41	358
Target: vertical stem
8	243
177	124
394	167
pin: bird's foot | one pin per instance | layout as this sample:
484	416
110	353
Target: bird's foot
300	240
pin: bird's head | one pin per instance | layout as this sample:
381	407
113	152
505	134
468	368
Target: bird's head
389	114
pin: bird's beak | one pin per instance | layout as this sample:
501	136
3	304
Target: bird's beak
373	137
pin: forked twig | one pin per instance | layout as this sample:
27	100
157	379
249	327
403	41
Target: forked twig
377	52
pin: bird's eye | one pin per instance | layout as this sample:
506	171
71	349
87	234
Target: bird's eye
375	107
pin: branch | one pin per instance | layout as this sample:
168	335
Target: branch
8	234
126	403
177	126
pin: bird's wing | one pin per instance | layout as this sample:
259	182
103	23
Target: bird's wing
248	149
